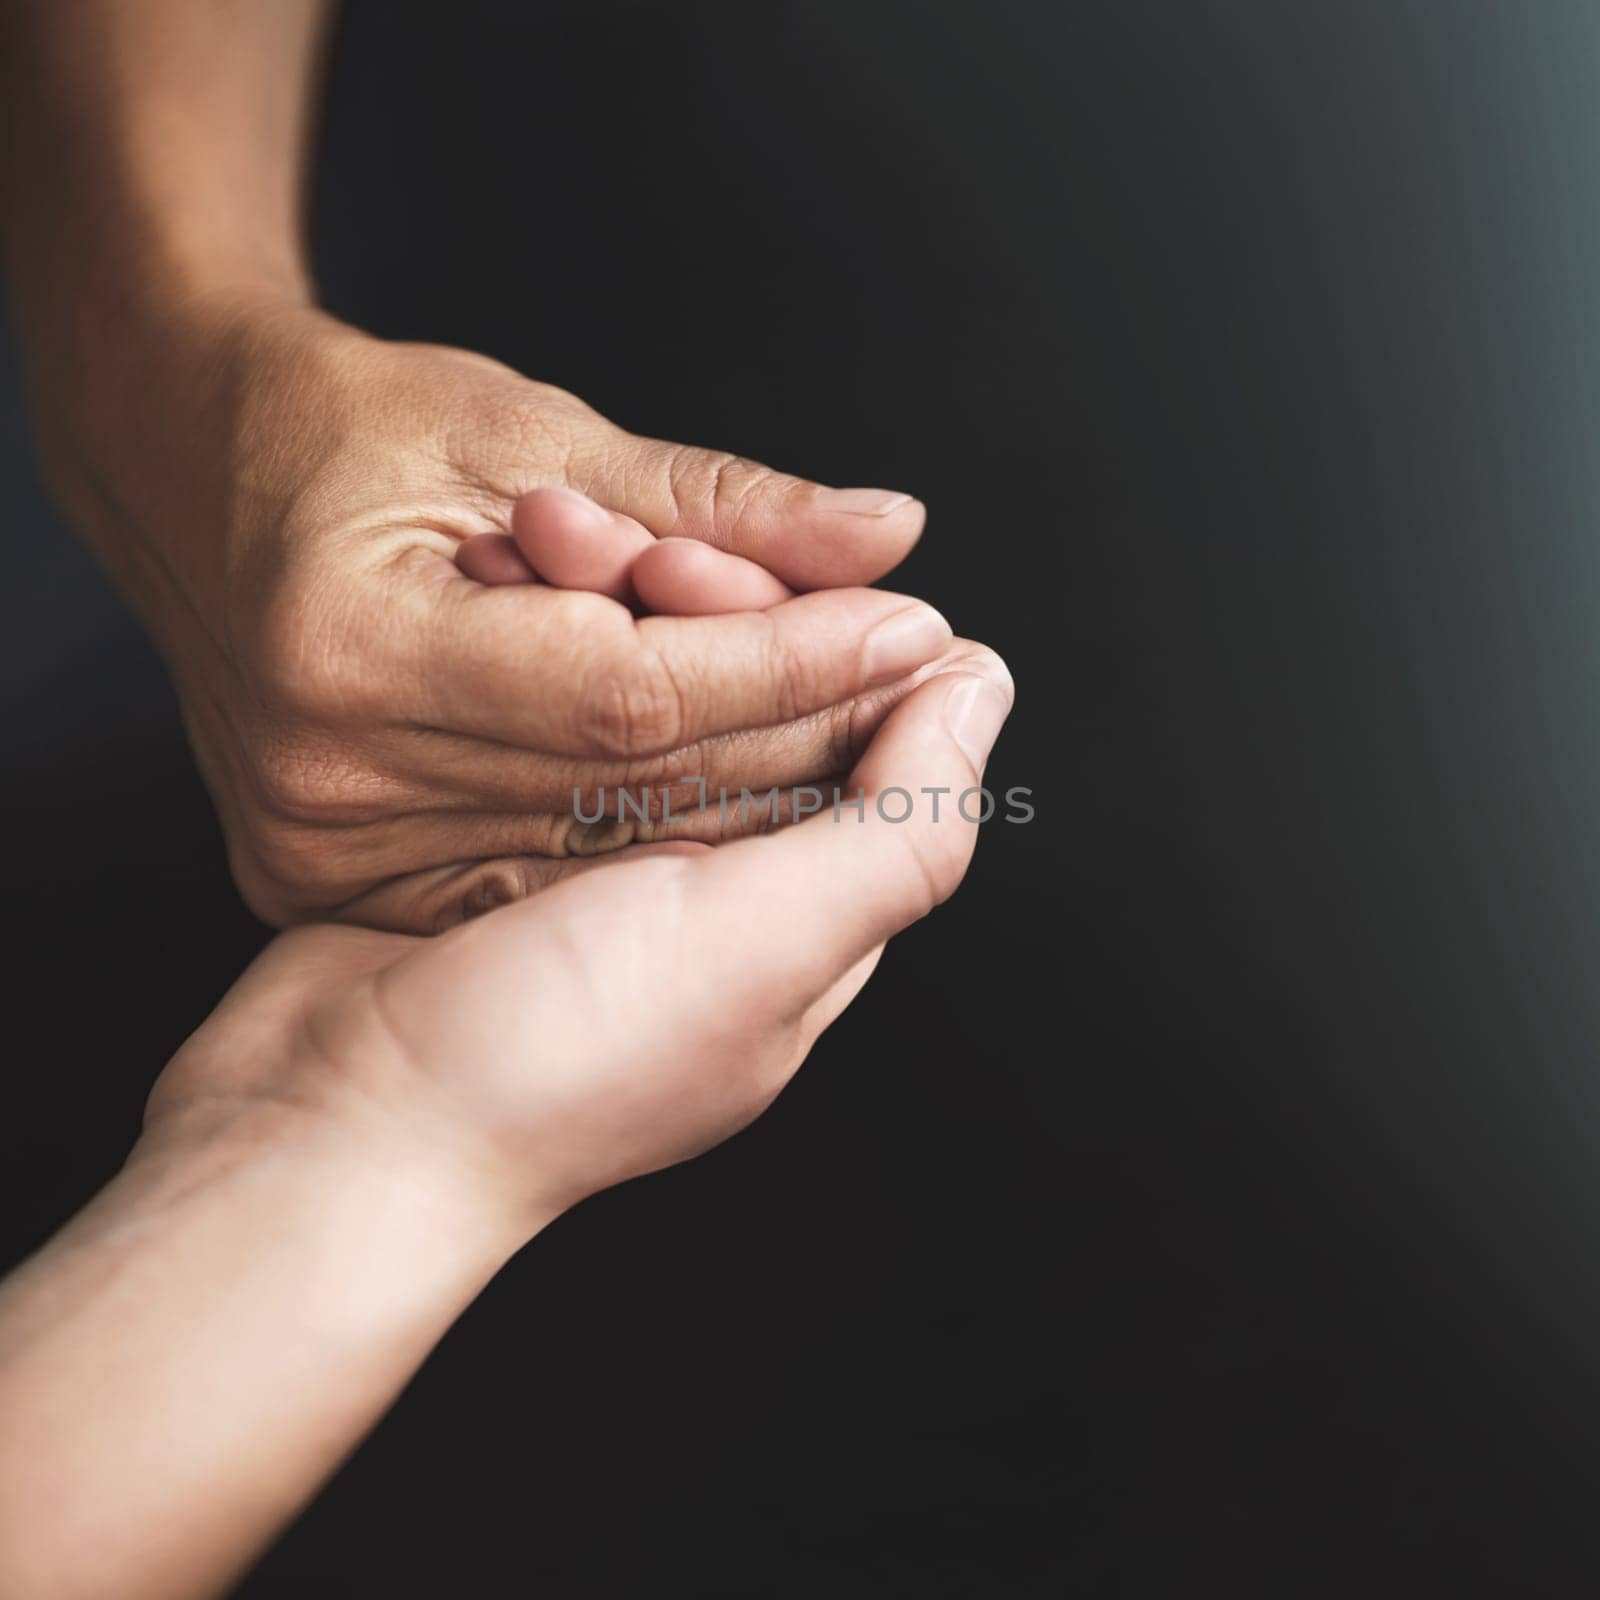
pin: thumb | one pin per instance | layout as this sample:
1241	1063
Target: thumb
810	536
786	916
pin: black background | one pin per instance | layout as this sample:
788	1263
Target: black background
1205	1202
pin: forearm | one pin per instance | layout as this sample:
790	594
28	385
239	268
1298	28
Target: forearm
152	165
192	1356
155	149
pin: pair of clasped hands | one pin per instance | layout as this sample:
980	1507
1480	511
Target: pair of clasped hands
483	610
420	612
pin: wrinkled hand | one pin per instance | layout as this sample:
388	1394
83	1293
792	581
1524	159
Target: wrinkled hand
393	743
624	1020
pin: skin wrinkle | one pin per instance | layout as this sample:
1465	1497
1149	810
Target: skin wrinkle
541	789
678	468
297	787
783	669
703	758
637	711
846	739
723	469
682	467
449	888
490	890
543	836
658	669
542	431
460	895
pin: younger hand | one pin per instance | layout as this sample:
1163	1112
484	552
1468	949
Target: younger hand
626	1019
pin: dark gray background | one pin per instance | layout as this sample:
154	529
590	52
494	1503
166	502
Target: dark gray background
1205	1203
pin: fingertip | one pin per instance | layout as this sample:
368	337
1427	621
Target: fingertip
493	559
941	733
901	834
975	710
846	537
573	542
683	578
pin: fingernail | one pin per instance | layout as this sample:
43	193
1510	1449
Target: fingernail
862	502
974	713
902	643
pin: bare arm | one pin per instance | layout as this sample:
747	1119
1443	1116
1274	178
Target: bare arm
153	182
196	1351
370	1123
155	149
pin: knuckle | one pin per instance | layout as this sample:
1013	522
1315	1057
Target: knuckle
734	482
847	734
632	709
714	488
794	679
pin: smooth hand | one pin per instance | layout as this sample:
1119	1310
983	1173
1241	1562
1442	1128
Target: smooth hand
623	1020
368	1126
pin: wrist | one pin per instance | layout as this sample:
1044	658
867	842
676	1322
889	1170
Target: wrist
358	1185
139	400
119	367
101	328
198	1349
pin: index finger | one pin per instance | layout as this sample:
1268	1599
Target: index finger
576	674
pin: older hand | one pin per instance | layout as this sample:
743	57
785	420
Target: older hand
393	743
